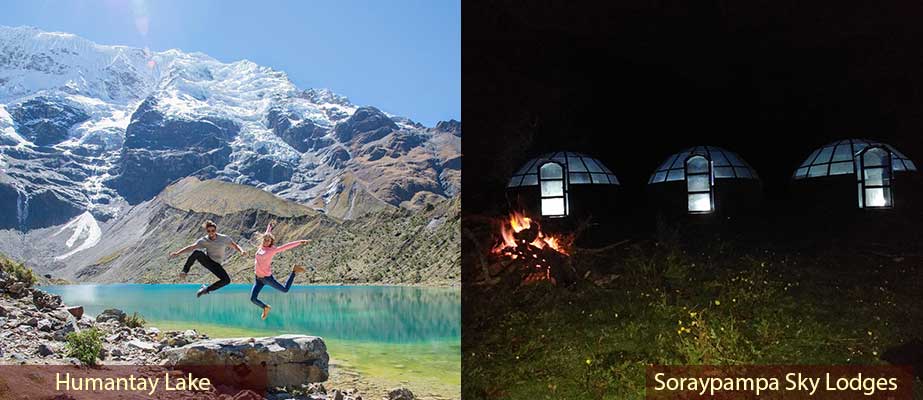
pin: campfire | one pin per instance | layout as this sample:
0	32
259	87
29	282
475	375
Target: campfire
526	249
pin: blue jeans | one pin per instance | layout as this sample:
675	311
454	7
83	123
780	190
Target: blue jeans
271	281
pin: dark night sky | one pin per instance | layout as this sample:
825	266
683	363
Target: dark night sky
637	81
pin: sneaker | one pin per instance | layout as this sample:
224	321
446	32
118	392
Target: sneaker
298	268
202	290
265	312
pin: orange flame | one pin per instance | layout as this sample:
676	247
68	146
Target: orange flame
519	222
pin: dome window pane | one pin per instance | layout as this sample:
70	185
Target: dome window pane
724	172
699	203
575	165
697	164
742	172
824	156
842	152
591	165
840	168
660	176
552	171
578	178
818	170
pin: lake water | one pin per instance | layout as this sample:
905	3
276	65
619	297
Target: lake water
393	334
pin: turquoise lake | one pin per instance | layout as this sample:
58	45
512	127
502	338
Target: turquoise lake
390	333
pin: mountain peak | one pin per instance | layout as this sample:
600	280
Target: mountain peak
325	96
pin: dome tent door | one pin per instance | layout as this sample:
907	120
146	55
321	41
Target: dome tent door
873	167
700	182
553	182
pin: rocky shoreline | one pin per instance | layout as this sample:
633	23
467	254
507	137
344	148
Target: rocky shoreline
34	326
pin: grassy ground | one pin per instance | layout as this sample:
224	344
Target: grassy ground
667	303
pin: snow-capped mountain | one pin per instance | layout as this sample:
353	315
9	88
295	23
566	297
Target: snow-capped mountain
96	128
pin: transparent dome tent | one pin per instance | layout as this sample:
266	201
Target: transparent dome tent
704	180
563	184
838	158
727	164
854	172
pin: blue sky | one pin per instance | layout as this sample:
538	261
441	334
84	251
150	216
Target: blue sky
401	56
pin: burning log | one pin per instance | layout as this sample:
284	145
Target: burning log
529	255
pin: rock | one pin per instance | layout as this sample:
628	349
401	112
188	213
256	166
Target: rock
190	334
44	350
3	312
59	315
315	388
45	301
76	311
291	360
33	322
45	325
61	334
336	395
17	289
140	344
111	314
400	394
152	331
86	322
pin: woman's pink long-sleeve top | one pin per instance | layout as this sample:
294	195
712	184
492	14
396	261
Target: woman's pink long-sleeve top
263	265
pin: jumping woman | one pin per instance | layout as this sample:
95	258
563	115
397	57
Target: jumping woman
263	268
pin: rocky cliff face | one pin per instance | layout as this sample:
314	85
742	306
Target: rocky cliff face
88	127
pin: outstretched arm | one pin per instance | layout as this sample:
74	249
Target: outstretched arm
239	250
291	245
184	250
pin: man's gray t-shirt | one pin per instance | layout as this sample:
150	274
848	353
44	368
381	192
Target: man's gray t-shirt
214	248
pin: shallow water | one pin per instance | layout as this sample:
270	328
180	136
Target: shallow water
392	334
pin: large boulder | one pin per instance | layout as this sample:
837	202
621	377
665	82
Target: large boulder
290	360
112	314
45	301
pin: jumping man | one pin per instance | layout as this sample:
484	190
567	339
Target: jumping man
215	245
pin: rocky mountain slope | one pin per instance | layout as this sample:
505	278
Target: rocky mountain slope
387	245
89	128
